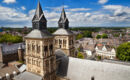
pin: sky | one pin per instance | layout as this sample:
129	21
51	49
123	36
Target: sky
81	13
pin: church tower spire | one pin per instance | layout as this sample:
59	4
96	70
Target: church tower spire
63	21
39	21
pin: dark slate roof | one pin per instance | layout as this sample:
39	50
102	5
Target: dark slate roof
39	14
28	76
63	17
80	69
39	34
62	31
11	49
59	53
63	65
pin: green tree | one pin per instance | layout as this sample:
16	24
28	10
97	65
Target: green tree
10	38
104	36
80	55
87	34
123	52
116	35
98	36
79	36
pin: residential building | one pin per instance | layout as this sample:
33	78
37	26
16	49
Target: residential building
89	50
11	52
105	51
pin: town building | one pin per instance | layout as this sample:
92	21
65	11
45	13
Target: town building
105	51
89	50
11	52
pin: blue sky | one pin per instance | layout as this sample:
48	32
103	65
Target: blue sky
19	13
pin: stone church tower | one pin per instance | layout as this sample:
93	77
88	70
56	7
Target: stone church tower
64	39
40	57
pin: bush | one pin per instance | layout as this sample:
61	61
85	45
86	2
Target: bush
99	57
123	52
80	55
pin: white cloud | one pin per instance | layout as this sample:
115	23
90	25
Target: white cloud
102	1
79	9
13	17
9	1
118	9
23	8
68	9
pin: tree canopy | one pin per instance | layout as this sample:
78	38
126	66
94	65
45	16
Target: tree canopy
98	36
79	36
10	38
102	36
123	52
87	34
84	34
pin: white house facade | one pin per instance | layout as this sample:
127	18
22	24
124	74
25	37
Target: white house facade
105	52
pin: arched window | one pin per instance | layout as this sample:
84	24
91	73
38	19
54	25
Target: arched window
60	41
64	43
28	47
45	50
38	49
33	47
72	42
51	49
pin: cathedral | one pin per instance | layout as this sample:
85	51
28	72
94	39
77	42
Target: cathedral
51	56
41	46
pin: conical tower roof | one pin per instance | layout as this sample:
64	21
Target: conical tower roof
63	17
39	15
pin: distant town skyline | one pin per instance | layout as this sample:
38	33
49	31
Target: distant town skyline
19	13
